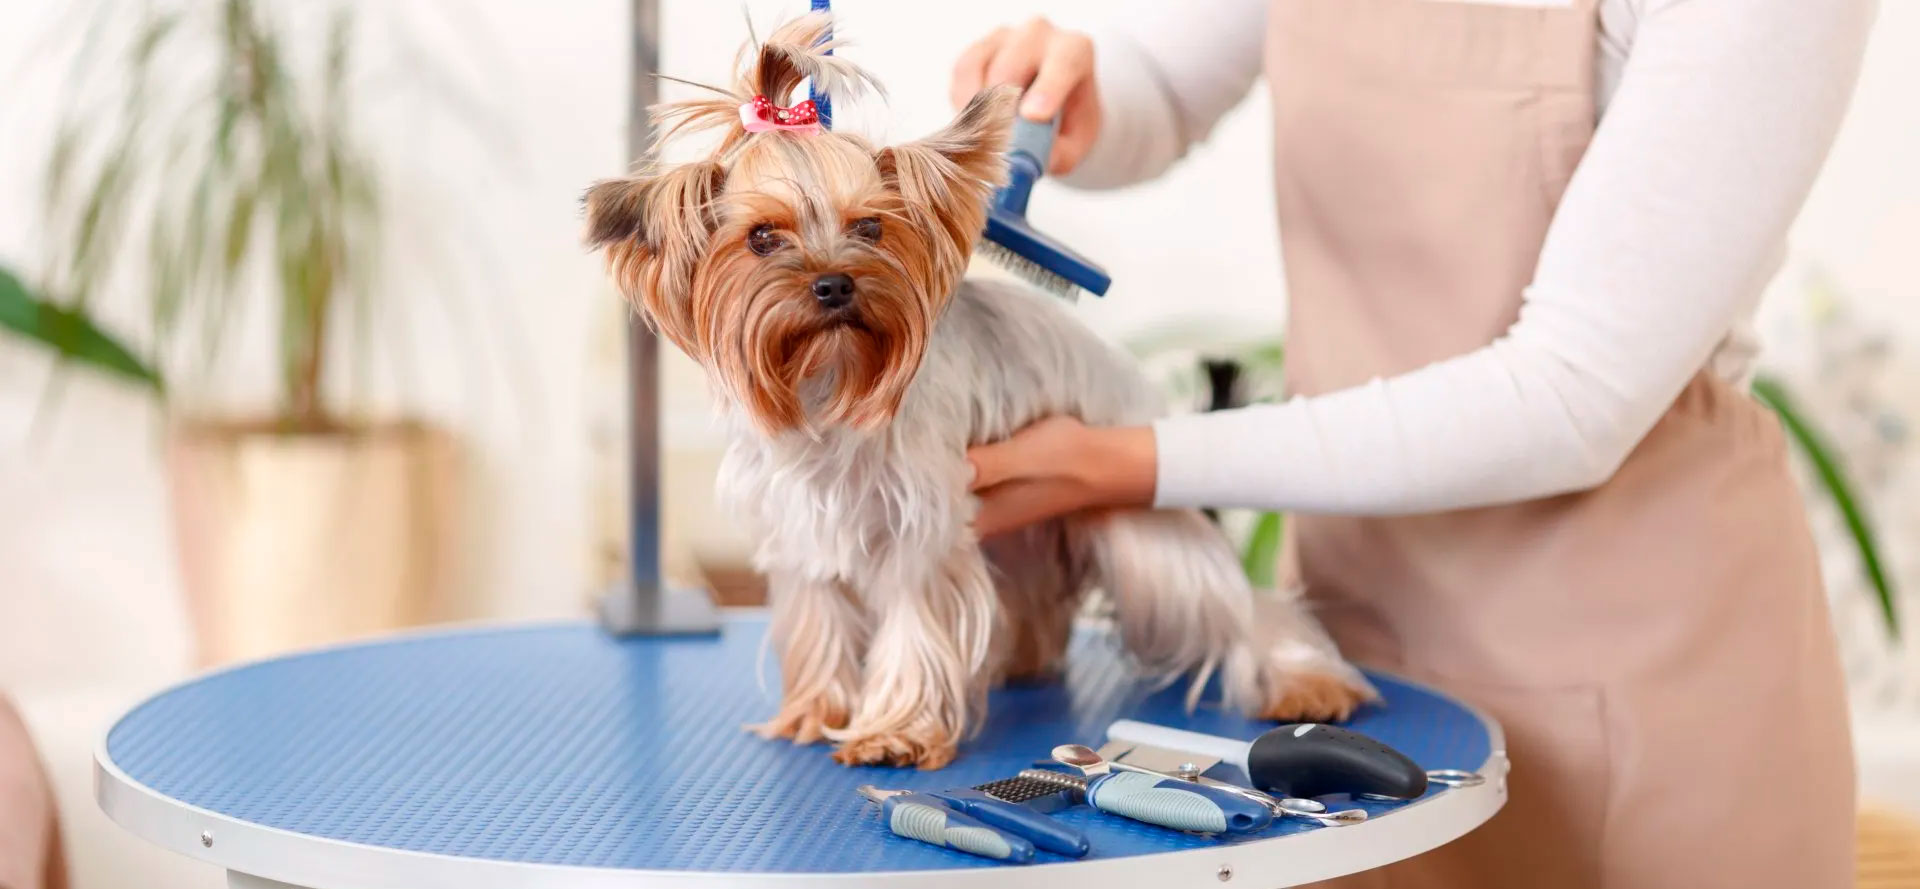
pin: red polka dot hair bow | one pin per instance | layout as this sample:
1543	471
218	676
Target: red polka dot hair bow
761	115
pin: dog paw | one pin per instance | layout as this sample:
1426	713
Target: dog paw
897	749
803	722
1312	696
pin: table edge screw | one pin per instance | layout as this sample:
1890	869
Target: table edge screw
206	838
1225	873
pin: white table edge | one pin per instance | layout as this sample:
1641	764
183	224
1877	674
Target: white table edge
257	856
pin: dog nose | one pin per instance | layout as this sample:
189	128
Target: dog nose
833	291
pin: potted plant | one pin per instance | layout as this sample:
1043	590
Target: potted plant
228	194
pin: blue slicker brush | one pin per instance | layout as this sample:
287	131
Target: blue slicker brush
1013	243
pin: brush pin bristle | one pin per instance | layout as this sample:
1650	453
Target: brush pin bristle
1030	271
1061	780
1019	789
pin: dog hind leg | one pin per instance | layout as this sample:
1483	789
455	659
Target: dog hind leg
1184	604
1040	583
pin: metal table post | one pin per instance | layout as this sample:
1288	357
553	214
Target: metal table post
644	605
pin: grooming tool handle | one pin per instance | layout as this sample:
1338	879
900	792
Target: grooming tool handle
1026	161
927	819
1313	760
1181	805
1046	833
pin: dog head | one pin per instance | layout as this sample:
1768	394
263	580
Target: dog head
803	268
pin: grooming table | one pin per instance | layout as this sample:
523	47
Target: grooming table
558	756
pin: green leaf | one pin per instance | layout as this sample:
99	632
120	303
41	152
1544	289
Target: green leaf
1263	549
66	146
239	232
1269	357
100	219
67	331
153	34
1827	466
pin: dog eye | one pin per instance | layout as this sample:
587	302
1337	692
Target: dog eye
764	239
866	229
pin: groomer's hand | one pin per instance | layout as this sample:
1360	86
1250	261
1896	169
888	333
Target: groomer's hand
1057	466
1055	67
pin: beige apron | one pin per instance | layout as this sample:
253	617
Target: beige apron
1658	649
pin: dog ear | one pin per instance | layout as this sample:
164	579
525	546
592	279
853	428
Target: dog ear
654	229
974	144
944	180
648	208
613	208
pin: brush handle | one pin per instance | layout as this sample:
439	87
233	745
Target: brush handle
918	816
1035	140
1181	805
1046	833
1026	162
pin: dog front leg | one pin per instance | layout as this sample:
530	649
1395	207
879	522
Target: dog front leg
819	633
927	668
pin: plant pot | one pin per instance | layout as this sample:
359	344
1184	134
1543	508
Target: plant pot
290	540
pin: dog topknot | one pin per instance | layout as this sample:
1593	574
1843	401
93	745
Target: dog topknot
799	51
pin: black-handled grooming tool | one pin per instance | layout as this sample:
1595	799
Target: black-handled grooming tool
1302	760
1121	755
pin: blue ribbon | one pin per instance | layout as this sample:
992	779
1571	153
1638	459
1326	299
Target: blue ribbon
820	101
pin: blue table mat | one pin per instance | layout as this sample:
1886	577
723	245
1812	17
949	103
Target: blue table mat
558	744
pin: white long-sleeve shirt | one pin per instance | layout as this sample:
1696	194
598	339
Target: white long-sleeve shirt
1715	118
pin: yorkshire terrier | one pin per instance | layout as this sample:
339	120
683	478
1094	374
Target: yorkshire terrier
818	280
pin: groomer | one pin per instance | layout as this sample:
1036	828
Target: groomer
1524	241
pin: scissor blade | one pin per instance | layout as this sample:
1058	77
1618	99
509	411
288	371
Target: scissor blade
1159	759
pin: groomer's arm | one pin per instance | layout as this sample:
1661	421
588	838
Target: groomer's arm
1132	96
1675	219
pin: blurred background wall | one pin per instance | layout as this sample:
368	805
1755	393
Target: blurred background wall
511	338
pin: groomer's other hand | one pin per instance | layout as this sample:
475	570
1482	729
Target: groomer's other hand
1058	466
1055	67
